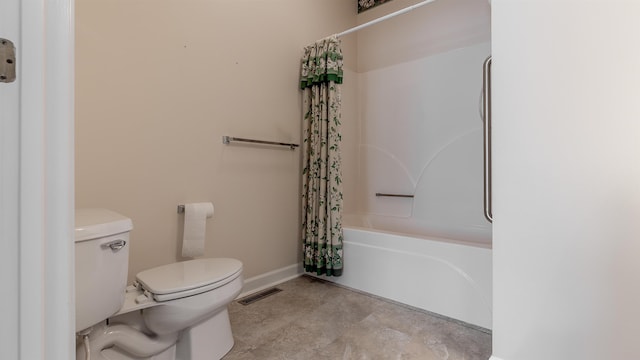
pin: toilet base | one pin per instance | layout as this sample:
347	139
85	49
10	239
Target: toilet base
209	340
114	354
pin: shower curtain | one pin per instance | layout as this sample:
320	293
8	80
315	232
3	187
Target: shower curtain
321	173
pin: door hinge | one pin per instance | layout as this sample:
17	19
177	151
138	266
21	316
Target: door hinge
7	61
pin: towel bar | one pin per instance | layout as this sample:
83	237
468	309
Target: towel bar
228	139
395	195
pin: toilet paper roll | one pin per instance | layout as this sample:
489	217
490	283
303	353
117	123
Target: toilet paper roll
195	218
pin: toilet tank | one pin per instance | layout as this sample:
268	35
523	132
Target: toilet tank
102	261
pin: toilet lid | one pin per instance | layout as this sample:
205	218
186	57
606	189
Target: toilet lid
188	276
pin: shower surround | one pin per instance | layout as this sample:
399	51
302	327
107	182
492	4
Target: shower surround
417	132
421	135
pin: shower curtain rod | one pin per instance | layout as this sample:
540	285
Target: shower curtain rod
383	18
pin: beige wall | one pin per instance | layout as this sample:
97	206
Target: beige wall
158	83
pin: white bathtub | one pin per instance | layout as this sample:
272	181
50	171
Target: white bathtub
447	277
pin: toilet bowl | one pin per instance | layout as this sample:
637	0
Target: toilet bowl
172	312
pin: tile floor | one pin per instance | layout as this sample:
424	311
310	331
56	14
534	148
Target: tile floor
313	319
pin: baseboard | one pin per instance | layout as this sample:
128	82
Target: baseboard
494	358
272	278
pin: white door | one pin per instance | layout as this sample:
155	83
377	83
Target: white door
9	187
36	183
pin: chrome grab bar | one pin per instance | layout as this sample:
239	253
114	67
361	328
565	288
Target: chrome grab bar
486	129
228	139
395	195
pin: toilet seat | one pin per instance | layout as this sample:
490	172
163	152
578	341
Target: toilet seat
188	278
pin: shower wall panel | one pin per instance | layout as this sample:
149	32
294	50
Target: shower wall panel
421	135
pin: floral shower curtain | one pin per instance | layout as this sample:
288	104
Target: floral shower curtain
321	168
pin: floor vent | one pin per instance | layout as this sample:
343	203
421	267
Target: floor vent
258	296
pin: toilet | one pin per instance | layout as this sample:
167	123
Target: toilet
172	312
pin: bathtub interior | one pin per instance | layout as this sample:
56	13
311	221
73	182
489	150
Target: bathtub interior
470	235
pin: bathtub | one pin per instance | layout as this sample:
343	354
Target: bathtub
450	277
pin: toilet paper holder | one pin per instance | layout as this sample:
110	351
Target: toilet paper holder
180	209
